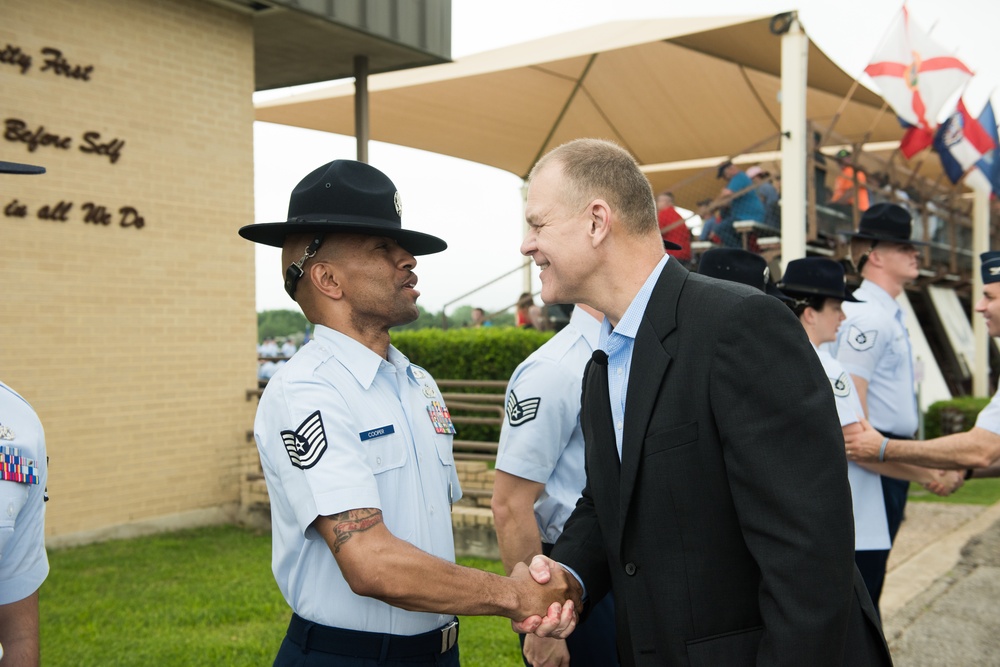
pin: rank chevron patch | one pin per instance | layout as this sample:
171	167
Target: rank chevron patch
861	340
841	385
306	444
519	412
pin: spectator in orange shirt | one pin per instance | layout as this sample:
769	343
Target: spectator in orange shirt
843	187
672	227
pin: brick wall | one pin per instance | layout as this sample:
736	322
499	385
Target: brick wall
135	345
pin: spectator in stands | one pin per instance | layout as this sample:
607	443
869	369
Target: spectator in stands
743	202
710	220
768	195
672	228
287	348
530	315
849	181
479	318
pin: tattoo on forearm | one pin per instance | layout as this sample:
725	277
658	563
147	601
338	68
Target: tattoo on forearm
347	523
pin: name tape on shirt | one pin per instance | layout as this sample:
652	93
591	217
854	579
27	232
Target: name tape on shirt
520	412
841	386
861	340
388	429
306	444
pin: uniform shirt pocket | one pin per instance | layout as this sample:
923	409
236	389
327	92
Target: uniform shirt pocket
13	496
386	451
445	451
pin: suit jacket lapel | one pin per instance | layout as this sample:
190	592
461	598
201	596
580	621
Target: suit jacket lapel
649	364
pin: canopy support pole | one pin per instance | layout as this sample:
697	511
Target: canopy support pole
794	63
361	128
980	336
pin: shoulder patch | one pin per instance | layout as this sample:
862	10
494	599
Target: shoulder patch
519	412
861	340
306	444
841	385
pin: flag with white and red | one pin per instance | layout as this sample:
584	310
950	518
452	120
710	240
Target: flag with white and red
915	74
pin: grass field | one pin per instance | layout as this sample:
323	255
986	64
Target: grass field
196	597
207	597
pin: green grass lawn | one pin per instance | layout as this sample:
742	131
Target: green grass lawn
196	597
974	492
207	597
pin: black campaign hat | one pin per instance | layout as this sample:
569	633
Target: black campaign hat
18	168
990	266
345	196
739	266
886	222
815	276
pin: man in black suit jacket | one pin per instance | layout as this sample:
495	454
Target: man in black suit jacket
717	507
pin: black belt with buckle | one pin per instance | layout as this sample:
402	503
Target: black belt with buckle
370	645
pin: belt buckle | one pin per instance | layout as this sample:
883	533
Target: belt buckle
449	635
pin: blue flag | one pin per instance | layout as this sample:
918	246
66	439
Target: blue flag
961	142
989	164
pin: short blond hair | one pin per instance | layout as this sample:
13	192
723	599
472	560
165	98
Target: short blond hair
599	169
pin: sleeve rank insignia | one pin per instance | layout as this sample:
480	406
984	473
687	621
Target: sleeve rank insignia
841	385
306	444
861	340
519	412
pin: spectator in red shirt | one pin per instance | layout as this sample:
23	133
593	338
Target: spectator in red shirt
672	227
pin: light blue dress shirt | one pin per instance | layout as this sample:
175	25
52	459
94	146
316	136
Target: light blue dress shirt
375	446
871	528
872	343
23	561
619	343
541	439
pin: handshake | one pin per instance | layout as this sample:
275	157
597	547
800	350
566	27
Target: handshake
548	598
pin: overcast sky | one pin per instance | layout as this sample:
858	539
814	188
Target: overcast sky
477	209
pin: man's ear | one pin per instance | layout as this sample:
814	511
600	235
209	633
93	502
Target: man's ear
326	279
600	221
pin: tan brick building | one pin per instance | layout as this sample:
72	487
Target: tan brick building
127	317
131	333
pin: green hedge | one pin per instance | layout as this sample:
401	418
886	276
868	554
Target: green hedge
486	353
952	416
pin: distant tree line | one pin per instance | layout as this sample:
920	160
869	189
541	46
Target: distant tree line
292	323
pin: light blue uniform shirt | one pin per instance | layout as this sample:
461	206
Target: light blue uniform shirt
619	344
341	428
871	528
541	439
872	343
989	417
23	562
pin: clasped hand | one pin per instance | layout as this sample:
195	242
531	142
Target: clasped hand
549	597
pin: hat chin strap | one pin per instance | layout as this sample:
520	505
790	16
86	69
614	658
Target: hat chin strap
294	272
864	258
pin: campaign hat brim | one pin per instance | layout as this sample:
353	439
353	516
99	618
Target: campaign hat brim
794	290
887	239
274	233
19	168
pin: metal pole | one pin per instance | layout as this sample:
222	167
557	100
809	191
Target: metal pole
361	129
524	232
794	62
980	244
